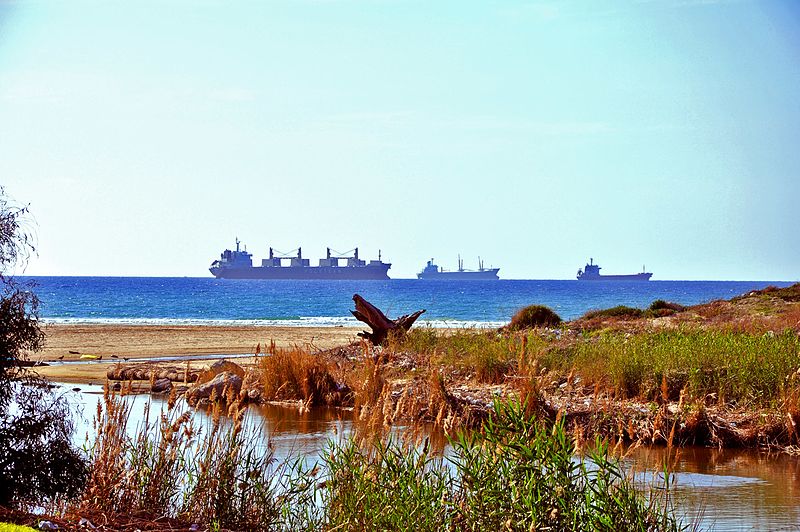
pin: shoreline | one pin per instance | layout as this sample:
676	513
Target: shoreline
140	343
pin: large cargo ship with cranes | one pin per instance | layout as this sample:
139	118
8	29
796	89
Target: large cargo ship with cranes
238	264
434	272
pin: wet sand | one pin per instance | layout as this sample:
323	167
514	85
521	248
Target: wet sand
141	342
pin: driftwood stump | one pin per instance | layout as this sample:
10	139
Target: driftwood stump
380	324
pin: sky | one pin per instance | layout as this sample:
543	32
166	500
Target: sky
147	136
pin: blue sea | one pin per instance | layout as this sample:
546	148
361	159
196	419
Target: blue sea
209	301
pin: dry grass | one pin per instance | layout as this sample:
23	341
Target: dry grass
295	374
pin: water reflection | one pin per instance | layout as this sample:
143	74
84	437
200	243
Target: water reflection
729	489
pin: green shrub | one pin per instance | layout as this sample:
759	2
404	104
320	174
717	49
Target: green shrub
534	316
659	305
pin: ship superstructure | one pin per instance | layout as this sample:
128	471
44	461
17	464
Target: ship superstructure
238	264
591	272
434	272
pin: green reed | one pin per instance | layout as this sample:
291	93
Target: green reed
515	474
733	367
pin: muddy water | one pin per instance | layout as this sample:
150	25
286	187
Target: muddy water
714	489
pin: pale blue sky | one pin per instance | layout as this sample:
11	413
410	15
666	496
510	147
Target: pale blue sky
146	136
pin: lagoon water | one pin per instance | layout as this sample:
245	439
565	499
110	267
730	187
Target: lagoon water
154	300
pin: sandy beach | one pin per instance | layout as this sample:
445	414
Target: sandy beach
142	342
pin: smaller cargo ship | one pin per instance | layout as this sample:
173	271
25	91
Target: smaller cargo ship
434	272
591	272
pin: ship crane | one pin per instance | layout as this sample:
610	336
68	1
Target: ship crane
274	253
333	254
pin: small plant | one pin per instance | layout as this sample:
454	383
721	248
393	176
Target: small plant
534	316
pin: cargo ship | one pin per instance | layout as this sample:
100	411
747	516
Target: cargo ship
591	272
238	264
434	272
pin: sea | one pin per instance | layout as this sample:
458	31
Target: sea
210	301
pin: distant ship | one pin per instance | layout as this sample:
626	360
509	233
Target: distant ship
591	272
238	264
432	271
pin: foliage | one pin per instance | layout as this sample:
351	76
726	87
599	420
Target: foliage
516	474
748	369
386	487
489	355
534	316
37	461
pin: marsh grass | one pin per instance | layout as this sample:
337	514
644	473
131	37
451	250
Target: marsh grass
226	477
722	366
486	354
515	474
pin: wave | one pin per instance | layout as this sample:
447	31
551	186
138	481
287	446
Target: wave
310	321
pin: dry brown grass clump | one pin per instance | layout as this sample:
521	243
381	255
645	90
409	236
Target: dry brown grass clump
292	374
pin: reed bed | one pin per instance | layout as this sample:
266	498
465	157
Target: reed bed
723	367
515	474
716	366
225	477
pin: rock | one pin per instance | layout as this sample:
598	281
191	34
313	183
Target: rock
219	385
162	385
218	367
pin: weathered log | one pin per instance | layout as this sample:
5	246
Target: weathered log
381	325
146	373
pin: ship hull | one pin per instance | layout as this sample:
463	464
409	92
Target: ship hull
631	277
360	273
485	275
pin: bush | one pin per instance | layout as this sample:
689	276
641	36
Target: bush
660	304
534	316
